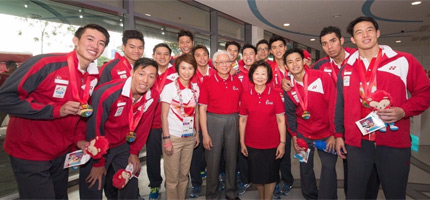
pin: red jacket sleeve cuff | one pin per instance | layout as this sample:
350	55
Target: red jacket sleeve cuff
100	162
56	112
292	133
338	135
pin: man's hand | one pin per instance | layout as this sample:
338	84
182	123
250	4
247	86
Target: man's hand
82	145
70	108
134	160
286	84
296	146
391	115
340	148
244	150
331	145
96	174
207	142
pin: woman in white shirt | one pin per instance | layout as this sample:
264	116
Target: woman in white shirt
179	117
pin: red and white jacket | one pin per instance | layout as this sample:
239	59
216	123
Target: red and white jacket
398	73
321	104
117	68
328	65
33	96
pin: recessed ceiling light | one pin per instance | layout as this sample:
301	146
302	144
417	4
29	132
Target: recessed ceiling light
286	24
336	16
81	16
25	5
416	3
312	39
398	41
80	10
147	14
121	24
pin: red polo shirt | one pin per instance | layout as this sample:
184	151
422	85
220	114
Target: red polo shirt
199	77
221	96
261	131
242	74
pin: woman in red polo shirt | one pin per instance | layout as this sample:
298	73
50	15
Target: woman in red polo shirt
262	130
178	112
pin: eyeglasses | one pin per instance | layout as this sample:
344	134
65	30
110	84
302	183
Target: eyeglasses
263	49
223	63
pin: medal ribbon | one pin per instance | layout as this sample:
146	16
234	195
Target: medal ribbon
161	81
74	84
333	72
127	64
134	121
181	101
365	89
303	101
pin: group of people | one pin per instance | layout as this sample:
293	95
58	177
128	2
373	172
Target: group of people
229	119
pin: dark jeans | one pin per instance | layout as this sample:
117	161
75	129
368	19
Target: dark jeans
41	179
153	157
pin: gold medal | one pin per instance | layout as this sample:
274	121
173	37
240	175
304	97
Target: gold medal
131	136
86	110
306	115
365	104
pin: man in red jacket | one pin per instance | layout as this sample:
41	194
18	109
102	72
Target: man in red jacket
44	97
377	67
123	109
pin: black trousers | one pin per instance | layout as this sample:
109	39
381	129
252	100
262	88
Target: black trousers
153	157
198	163
41	179
117	158
285	168
392	168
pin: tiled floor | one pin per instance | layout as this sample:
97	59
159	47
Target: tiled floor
418	186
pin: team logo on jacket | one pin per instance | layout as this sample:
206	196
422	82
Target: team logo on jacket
316	86
173	76
60	91
120	108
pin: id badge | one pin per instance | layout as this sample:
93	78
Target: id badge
188	124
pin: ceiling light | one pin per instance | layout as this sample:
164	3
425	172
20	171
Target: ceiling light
147	14
286	24
398	41
312	39
416	3
121	24
81	16
336	16
25	5
80	10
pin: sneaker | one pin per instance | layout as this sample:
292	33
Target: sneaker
242	188
195	192
154	193
203	175
286	189
277	193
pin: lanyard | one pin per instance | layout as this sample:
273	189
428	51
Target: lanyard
134	121
366	89
181	101
74	84
303	101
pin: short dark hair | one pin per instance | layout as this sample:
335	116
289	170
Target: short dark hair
248	46
199	46
293	50
330	29
97	27
260	63
145	62
263	41
232	43
132	34
183	32
188	58
275	38
350	28
161	45
11	64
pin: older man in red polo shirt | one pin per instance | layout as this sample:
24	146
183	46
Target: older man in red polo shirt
220	106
